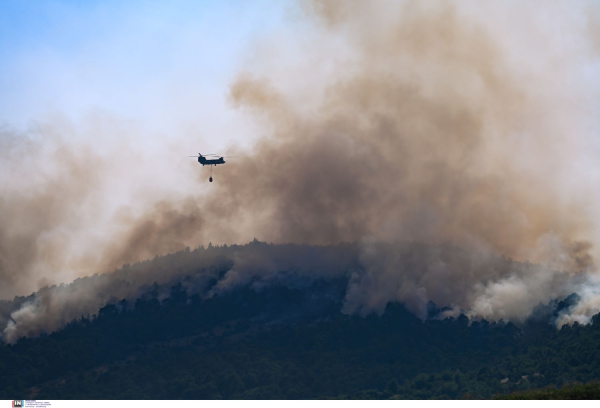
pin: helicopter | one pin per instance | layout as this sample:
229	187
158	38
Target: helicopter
202	159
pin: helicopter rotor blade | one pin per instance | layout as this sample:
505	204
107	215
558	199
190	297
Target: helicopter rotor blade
212	154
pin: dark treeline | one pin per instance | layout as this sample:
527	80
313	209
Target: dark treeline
373	274
286	342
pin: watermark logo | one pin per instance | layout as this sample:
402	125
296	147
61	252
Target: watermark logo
18	403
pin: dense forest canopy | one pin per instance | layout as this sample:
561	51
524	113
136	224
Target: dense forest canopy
284	335
478	284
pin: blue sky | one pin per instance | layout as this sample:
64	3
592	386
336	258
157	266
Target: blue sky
163	64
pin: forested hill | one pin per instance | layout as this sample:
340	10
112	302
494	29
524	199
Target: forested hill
252	344
286	340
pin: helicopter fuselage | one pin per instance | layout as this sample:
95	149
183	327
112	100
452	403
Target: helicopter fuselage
204	161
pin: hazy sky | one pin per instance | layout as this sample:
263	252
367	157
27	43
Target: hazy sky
168	66
165	65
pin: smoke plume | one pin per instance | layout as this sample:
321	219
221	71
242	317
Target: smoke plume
423	122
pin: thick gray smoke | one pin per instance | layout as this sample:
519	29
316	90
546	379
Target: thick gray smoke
45	184
424	127
375	274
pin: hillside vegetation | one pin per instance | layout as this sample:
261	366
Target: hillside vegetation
289	342
589	391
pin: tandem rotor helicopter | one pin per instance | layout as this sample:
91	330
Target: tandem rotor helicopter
202	159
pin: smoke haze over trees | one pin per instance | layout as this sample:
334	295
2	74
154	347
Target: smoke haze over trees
422	124
283	336
363	278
